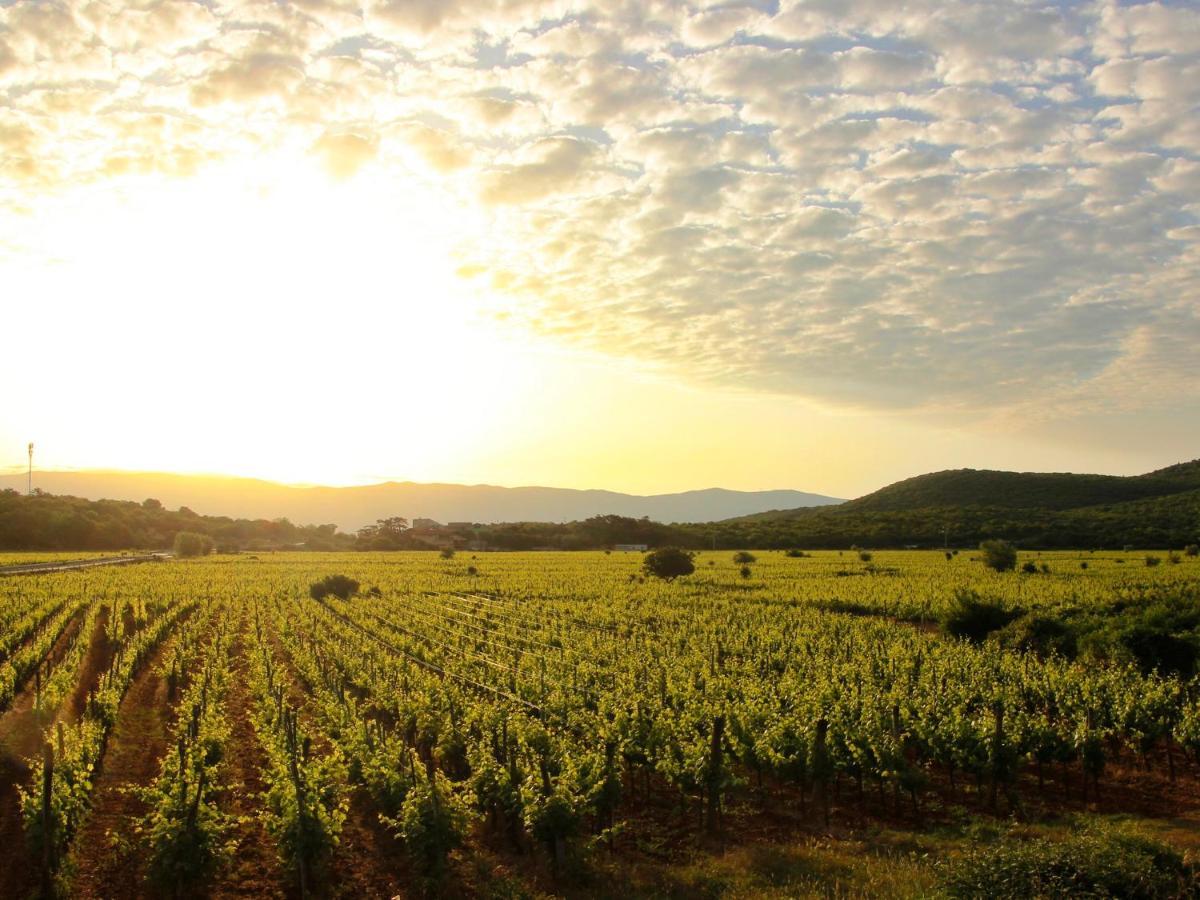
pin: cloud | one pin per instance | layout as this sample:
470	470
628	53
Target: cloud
345	153
553	165
872	205
259	76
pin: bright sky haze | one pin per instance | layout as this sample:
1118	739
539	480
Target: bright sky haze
639	246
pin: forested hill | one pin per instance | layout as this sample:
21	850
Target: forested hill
50	522
962	507
1013	490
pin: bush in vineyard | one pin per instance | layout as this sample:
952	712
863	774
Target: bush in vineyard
974	618
1097	863
1042	635
669	563
338	586
999	555
190	543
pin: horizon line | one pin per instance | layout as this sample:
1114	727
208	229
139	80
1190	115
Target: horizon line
20	471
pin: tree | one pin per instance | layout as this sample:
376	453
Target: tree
385	534
999	555
151	503
669	563
191	543
744	558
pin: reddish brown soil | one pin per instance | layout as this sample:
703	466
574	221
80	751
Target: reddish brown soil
20	738
255	870
107	865
95	663
368	861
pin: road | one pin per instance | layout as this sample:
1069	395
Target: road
66	565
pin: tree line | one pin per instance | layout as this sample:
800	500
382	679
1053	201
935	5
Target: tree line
50	522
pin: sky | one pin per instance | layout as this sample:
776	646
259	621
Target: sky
638	246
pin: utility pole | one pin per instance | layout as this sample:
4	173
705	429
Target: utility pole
29	478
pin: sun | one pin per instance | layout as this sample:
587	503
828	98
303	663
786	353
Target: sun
266	295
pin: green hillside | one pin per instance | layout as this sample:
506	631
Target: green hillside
1156	522
957	488
964	506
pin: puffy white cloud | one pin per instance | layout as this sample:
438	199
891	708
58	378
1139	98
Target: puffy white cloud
550	166
861	203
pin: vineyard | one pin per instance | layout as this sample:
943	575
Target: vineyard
544	724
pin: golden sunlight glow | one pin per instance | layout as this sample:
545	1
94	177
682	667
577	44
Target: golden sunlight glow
276	318
266	292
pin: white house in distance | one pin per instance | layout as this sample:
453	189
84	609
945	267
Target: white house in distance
641	548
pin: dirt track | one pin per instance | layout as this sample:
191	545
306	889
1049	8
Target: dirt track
68	565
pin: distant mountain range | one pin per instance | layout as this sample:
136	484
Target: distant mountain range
352	507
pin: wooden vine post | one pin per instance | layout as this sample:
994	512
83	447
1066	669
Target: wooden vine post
821	769
713	818
47	819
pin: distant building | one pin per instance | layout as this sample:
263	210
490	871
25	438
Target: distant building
641	548
425	523
458	526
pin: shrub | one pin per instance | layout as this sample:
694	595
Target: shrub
1156	648
472	571
1043	636
338	585
1083	565
744	558
973	618
447	554
745	572
1152	561
1099	862
949	555
864	555
999	555
800	554
668	563
191	543
1191	550
1030	568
